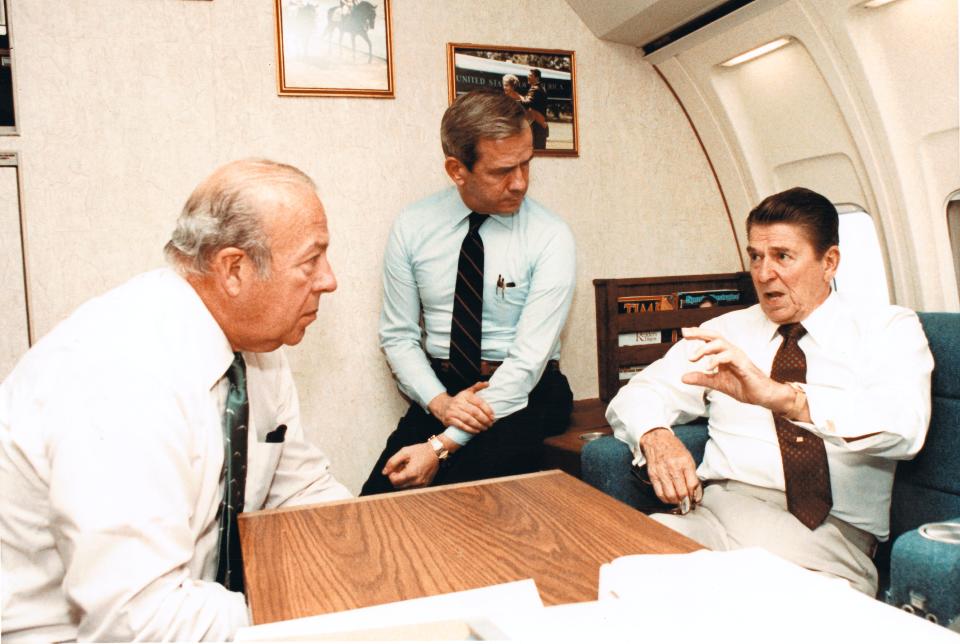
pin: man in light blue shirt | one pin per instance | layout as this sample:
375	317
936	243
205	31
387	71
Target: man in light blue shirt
495	425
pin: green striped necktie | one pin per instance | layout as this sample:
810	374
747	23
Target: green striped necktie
235	415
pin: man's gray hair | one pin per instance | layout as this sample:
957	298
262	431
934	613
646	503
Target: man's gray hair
510	79
224	211
479	115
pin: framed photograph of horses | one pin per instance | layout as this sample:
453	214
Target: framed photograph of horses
334	48
544	81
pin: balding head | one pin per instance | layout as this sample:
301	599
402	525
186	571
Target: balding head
252	241
226	210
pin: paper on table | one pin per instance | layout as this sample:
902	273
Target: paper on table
604	621
744	573
750	595
498	599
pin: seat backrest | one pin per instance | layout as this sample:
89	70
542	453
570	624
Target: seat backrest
928	487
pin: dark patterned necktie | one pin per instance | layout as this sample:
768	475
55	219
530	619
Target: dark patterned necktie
805	468
235	415
466	326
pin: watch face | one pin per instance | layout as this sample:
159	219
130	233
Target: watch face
438	448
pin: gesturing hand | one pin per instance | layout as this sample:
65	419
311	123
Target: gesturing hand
466	410
670	467
727	369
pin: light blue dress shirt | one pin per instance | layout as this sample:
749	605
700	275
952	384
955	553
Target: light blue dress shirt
530	254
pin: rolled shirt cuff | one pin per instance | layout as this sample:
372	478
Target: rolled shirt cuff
458	436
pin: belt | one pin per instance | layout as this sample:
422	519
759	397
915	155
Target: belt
487	367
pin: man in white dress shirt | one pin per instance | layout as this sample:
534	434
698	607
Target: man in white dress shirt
861	400
111	432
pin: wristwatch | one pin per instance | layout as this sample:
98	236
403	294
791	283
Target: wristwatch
438	448
799	401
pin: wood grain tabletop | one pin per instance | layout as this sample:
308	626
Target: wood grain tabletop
336	556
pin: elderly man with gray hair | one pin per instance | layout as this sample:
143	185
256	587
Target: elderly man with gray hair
135	431
491	274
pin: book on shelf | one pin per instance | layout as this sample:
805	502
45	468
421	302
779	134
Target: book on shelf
626	373
705	299
641	338
646	303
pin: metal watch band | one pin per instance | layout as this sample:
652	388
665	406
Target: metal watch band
438	448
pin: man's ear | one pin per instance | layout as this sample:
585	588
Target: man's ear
226	267
831	260
456	170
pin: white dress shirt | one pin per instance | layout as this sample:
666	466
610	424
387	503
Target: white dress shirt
528	278
111	458
868	371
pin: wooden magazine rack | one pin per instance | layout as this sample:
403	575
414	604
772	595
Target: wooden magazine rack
648	306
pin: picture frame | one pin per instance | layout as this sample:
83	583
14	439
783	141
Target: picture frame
472	66
334	48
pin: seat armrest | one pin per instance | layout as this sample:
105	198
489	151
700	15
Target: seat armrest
605	464
925	576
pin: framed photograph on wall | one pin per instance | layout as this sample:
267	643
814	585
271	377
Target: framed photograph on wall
542	80
334	48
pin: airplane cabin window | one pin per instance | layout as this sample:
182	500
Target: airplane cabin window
861	275
953	226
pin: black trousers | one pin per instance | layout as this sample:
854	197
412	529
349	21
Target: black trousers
512	445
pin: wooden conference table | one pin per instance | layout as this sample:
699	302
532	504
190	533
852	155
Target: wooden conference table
336	556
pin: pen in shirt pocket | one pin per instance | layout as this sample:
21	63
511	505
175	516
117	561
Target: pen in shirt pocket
503	285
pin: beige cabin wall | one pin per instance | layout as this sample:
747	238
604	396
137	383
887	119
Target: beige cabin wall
124	107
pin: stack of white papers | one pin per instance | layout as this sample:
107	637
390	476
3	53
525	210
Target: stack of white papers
717	597
751	595
438	615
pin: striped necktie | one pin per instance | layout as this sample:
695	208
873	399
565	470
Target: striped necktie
805	468
235	415
466	326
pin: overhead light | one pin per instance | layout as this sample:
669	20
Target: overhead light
756	52
876	3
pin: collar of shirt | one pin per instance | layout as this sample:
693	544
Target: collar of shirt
826	325
460	214
209	354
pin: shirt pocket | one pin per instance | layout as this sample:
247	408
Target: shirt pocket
262	461
509	299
